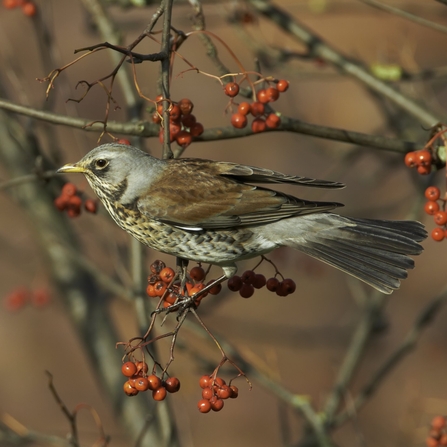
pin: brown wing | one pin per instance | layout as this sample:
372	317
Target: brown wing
198	194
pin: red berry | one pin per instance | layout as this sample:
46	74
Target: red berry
218	381
156	118
150	290
440	218
235	283
262	96
69	190
438	234
423	158
215	290
167	275
160	288
216	403
231	89
174	113
273	121
124	141
73	212
142	367
257	108
246	291
204	405
258	125
239	121
272	93
186	106
159	394
432	193
129	389
431	442
183	138
424	170
61	202
10	4
259	281
411	159
196	130
205	381
224	392
40	298
234	392
244	108
248	277
91	206
282	85
273	284
431	207
188	120
129	369
288	286
172	384
207	393
174	129
16	299
197	273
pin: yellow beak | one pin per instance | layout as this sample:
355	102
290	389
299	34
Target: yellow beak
70	168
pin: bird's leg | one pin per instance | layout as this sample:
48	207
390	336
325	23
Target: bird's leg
182	265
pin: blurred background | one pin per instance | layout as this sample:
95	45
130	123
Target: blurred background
300	340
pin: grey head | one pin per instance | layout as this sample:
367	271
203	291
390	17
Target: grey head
117	172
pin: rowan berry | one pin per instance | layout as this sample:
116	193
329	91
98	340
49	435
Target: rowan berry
273	121
154	382
29	9
207	393
91	206
431	207
10	4
234	392
288	285
424	158
244	108
432	193
142	384
129	389
16	299
124	141
197	273
205	381
239	121
438	423
188	120
61	202
410	159
431	442
159	394
258	125
172	384
246	291
204	406
262	96
216	403
128	369
257	109
142	367
235	283
160	287
224	392
167	275
273	284
186	106
218	381
424	170
196	129
174	113
183	138
150	290
215	290
282	85
231	89
156	118
438	234
69	190
440	218
248	277
272	93
259	281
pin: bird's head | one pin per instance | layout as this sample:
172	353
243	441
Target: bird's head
116	171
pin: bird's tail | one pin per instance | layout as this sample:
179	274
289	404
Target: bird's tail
374	251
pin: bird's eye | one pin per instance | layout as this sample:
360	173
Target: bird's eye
101	163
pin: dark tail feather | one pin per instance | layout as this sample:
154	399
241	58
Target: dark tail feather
374	251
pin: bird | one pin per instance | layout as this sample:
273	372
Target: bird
218	213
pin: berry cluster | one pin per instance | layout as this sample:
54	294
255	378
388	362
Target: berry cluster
421	160
183	125
162	284
249	281
70	200
436	208
262	120
438	434
214	392
28	7
138	380
21	296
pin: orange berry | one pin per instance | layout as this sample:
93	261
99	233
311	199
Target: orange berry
443	439
216	403
431	442
171	298
440	218
73	212
172	384
282	85
154	382
142	367
231	89
16	299
124	141
244	108
410	159
432	193
218	381
204	406
431	207
142	384
186	106
239	121
188	120
224	392
150	290
167	275
272	93
207	393
129	389
438	234
29	9
129	369
273	121
438	423
10	4
160	287
61	202
234	392
423	158
159	394
74	202
424	170
258	125
197	273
